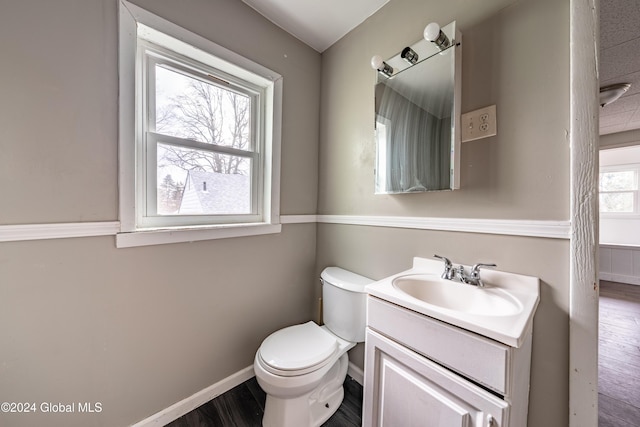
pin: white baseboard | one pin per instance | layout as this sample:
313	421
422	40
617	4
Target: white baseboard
356	373
187	405
620	278
198	399
620	263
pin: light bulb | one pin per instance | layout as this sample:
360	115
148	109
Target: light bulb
376	62
434	34
431	32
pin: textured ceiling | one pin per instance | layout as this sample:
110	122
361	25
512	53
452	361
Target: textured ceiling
620	63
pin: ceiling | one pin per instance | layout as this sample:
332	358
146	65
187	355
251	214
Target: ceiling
320	24
620	63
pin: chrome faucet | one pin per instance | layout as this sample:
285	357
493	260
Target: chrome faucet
474	277
452	273
449	273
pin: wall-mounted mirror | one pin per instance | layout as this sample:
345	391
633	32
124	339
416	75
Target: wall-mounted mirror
417	114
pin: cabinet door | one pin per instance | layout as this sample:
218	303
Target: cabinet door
403	388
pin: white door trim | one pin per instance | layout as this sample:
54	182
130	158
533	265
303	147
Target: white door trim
583	280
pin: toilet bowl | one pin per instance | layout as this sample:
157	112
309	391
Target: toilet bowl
302	368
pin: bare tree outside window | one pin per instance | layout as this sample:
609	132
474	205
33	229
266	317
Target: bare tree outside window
193	109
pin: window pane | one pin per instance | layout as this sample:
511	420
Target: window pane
190	108
616	202
618	181
197	182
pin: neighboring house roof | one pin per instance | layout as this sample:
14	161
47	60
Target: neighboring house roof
216	193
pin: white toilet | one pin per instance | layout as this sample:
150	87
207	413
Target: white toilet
301	368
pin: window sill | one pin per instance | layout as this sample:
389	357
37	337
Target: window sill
192	234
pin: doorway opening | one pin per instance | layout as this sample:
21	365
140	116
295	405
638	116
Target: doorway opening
619	303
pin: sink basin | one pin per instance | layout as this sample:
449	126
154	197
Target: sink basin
502	310
458	296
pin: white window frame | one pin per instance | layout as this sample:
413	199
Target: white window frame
636	208
136	227
149	56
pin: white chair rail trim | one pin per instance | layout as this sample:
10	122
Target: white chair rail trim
13	233
545	229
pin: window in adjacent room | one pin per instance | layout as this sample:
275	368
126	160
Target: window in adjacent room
199	134
619	190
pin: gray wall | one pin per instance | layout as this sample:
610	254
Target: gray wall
137	329
522	173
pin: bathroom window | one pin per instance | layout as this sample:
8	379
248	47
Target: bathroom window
619	190
199	136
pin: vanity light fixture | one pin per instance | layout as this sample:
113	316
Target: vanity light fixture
378	64
433	34
409	55
610	93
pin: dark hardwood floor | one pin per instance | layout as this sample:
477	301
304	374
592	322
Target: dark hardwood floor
619	355
243	406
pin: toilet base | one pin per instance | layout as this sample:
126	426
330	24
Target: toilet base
313	408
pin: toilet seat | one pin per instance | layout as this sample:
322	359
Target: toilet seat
297	350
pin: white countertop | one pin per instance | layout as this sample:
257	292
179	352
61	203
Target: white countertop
508	329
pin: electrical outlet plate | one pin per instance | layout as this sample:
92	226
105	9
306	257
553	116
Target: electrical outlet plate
479	124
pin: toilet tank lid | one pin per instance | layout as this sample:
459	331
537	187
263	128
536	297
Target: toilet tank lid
345	279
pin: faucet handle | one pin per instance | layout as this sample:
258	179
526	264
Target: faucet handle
475	272
447	262
448	272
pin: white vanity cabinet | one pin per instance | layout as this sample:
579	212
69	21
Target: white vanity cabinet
420	371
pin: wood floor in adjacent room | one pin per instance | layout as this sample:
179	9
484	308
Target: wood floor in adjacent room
243	406
619	355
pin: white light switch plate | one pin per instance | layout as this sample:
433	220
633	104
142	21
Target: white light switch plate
479	124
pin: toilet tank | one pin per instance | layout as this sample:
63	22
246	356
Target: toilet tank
344	303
